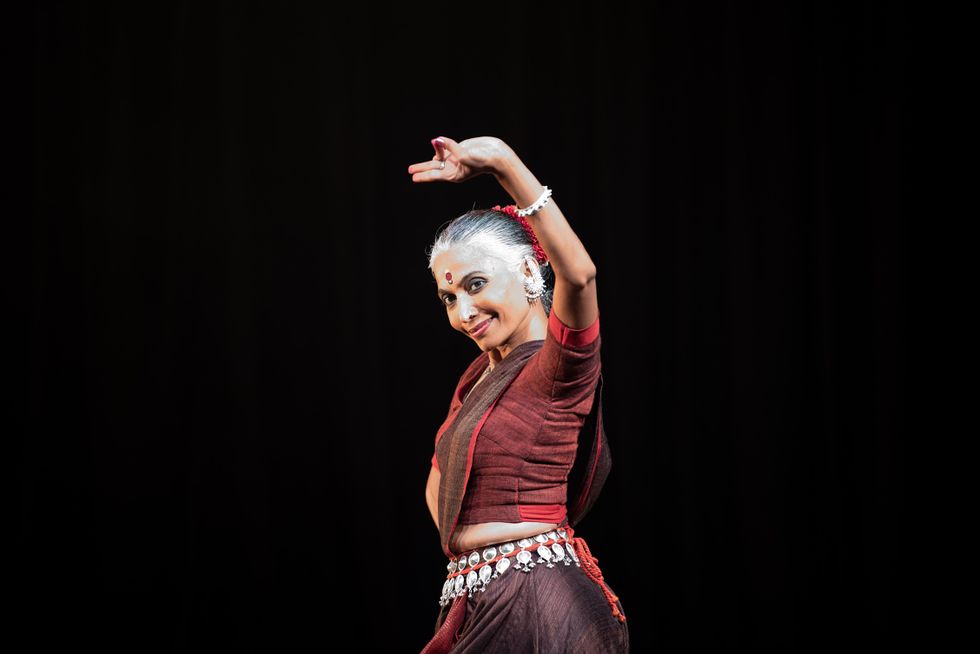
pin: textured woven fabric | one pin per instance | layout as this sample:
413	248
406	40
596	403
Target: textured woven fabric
527	444
544	611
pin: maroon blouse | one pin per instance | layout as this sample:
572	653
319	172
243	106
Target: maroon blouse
526	447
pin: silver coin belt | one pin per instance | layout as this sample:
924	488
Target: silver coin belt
472	572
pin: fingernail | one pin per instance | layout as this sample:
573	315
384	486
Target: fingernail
439	140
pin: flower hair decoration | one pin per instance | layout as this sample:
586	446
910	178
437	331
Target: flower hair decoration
511	210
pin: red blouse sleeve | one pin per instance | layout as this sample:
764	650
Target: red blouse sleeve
568	364
570	337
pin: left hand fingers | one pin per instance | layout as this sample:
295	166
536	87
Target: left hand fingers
428	176
428	171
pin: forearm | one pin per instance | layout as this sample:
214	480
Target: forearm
432	494
569	259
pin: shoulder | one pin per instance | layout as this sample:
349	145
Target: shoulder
568	363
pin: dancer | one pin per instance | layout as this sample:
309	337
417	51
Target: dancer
522	454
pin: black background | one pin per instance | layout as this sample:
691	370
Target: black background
238	362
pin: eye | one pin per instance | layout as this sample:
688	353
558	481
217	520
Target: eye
448	299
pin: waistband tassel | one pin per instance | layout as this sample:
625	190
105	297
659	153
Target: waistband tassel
591	566
449	632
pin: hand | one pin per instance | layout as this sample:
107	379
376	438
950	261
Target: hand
463	160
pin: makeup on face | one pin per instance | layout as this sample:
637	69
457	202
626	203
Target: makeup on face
457	270
462	274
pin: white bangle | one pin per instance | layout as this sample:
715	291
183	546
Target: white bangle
536	205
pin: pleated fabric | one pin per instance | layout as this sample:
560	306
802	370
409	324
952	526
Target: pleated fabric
544	611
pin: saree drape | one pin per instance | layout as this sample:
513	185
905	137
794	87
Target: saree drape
570	611
454	451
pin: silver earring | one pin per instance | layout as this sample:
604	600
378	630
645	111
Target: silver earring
533	286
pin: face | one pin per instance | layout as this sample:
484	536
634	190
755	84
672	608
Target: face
483	290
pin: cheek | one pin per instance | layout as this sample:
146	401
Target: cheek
504	296
510	298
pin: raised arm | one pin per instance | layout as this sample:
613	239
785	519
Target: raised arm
575	302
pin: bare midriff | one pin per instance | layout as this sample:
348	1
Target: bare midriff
471	537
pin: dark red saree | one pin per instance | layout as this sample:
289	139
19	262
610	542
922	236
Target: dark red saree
563	609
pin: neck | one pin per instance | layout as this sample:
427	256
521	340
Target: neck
533	328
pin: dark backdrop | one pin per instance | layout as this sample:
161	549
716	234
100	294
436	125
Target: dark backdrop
238	363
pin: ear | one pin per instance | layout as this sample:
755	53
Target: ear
527	267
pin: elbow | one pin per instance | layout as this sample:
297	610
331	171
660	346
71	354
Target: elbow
582	278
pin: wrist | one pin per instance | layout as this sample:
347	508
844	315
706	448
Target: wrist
506	163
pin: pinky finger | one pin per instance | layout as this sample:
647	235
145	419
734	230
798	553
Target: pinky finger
427	176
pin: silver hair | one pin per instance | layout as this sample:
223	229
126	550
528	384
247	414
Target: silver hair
500	236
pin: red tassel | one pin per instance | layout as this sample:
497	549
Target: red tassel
449	631
591	566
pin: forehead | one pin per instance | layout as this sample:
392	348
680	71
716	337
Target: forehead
462	260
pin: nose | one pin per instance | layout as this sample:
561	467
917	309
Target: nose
466	309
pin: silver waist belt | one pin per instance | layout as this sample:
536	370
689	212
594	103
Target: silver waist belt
473	571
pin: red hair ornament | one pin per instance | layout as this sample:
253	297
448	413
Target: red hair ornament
511	210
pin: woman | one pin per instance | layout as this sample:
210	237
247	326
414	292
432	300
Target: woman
521	456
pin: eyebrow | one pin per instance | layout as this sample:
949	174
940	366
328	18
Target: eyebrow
442	292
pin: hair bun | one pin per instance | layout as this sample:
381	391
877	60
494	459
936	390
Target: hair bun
511	210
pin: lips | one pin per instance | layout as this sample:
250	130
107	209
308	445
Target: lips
482	327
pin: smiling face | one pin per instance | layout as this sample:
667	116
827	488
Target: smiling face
484	290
